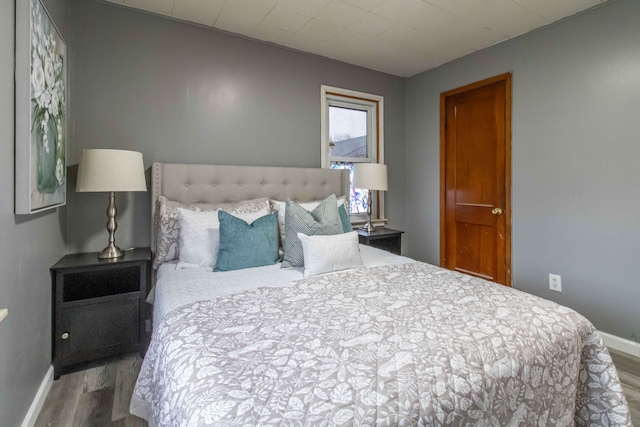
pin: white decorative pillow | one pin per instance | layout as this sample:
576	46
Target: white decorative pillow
200	236
168	231
277	205
323	254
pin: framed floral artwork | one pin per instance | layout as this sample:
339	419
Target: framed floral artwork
41	110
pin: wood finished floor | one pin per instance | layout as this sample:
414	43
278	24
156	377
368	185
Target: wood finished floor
100	396
95	397
629	373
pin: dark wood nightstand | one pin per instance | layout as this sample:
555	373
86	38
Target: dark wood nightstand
382	238
99	307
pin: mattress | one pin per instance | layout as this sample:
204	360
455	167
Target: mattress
402	343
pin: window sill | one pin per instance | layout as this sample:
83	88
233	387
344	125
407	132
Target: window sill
376	222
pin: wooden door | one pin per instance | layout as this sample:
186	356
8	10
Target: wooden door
475	179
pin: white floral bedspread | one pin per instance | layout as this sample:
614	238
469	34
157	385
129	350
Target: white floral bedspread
409	344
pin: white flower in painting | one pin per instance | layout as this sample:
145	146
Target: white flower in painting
60	91
44	100
37	78
49	73
59	172
55	102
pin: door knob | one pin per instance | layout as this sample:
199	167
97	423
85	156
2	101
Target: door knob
65	336
496	211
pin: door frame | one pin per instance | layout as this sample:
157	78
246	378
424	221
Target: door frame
506	78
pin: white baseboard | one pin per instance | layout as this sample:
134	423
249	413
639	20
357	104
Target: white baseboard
621	344
38	401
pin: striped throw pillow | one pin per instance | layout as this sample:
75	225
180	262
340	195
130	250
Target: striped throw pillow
324	220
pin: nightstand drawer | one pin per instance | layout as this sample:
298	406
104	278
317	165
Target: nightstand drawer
382	238
389	244
99	330
100	282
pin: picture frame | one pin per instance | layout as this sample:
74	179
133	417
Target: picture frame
41	138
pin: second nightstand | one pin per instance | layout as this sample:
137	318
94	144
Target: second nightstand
382	238
99	307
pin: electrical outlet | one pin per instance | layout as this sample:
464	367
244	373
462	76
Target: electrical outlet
555	282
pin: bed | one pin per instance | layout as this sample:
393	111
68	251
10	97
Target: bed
394	342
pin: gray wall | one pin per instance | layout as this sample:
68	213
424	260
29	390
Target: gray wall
576	150
30	244
182	93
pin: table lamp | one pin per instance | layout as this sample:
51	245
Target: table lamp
370	176
111	171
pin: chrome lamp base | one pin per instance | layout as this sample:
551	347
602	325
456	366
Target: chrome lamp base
111	251
369	225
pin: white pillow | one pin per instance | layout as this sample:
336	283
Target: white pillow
200	236
277	205
323	254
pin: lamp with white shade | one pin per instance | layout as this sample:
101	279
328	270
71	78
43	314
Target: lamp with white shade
370	176
111	171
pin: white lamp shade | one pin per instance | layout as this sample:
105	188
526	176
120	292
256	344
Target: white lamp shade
111	170
370	176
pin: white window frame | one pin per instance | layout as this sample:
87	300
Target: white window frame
374	105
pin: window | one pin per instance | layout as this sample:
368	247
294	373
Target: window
352	133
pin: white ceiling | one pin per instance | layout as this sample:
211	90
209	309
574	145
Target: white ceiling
400	37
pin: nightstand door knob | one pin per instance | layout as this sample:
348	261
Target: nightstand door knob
65	336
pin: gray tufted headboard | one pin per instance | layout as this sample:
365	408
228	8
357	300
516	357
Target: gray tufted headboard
192	184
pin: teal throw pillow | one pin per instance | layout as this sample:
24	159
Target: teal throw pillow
245	245
344	218
324	220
